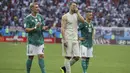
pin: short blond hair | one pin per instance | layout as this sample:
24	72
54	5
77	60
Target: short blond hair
32	5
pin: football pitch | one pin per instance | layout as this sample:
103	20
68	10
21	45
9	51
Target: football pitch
107	59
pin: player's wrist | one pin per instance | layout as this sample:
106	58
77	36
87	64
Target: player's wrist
78	13
35	27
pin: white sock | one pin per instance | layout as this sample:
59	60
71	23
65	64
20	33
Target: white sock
67	66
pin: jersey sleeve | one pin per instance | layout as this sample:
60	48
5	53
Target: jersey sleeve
26	23
42	21
81	25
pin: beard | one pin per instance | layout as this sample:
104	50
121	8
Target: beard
89	18
73	11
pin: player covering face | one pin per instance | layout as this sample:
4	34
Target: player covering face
70	44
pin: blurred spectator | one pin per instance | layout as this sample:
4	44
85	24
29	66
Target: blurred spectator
107	13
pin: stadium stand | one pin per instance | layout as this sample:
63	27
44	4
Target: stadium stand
107	13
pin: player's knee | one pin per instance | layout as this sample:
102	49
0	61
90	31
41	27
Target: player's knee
40	56
87	58
76	58
68	57
31	57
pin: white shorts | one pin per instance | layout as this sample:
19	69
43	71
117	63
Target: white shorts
72	49
35	50
86	52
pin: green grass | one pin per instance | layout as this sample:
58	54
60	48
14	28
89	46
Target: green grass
107	59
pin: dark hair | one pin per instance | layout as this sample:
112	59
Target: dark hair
70	3
88	11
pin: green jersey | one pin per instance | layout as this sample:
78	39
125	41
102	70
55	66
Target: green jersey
86	33
34	37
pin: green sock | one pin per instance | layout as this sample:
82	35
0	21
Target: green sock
87	63
42	66
28	65
84	65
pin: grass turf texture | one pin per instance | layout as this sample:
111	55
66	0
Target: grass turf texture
107	59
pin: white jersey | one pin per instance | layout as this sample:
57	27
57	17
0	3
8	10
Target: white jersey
71	31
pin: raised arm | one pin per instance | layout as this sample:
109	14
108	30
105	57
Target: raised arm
80	18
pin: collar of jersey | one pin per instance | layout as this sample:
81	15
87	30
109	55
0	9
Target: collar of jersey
87	22
34	16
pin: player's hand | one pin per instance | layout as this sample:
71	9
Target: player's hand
76	10
44	27
38	24
65	44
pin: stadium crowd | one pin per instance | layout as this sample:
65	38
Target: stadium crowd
106	12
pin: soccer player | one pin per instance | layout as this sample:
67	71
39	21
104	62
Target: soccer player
87	35
69	30
34	26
